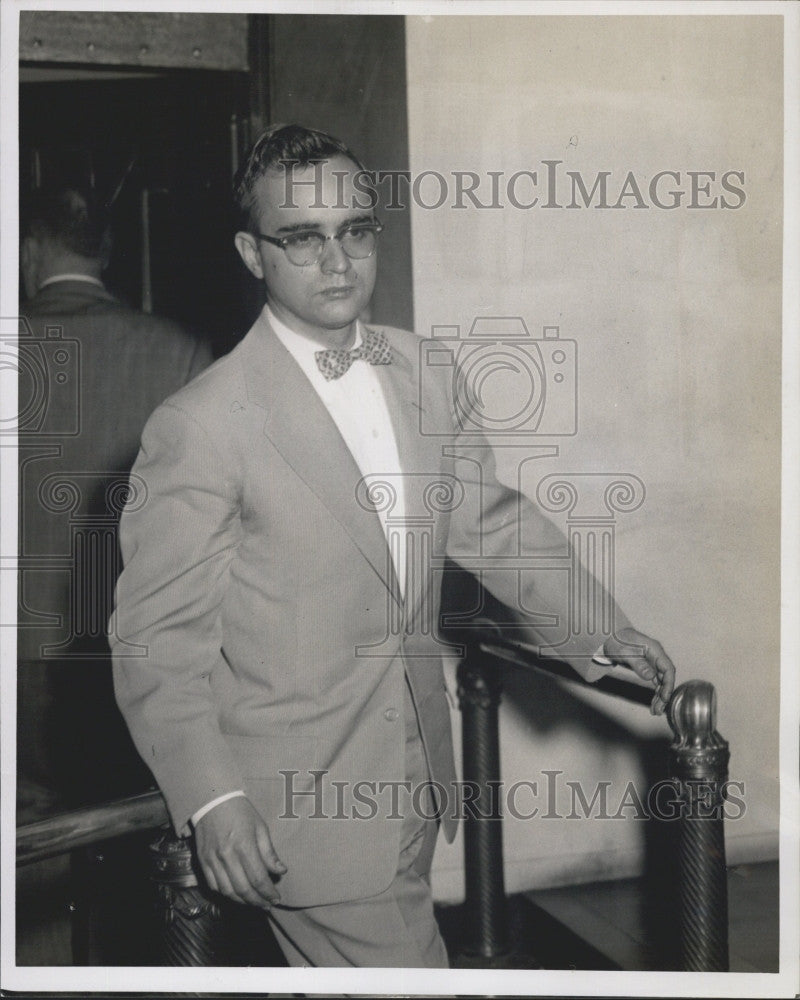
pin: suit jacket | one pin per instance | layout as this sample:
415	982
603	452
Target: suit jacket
92	371
259	591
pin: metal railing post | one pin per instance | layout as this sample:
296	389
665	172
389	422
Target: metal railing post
189	919
479	687
699	764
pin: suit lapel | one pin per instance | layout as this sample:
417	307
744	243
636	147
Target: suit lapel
420	454
301	429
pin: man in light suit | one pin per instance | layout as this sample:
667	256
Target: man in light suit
275	659
92	370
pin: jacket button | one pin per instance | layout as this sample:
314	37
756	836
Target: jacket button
391	714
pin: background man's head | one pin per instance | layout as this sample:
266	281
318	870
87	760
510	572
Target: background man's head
65	232
301	189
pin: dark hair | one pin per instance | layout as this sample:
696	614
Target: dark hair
70	216
284	146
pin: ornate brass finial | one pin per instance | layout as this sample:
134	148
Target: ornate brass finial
693	714
699	752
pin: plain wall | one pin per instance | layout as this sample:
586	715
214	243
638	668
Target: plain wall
346	76
678	324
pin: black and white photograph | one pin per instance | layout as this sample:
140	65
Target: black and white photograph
399	543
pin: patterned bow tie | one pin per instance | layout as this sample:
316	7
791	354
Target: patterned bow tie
375	348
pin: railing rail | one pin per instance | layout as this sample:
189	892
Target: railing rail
69	831
620	682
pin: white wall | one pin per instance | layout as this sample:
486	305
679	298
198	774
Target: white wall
677	319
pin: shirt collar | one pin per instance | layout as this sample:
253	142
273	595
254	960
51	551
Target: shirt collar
70	277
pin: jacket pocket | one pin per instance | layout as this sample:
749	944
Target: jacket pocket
263	758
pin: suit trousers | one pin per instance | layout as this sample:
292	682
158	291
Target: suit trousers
397	927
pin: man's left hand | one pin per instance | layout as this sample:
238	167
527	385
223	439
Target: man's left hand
647	658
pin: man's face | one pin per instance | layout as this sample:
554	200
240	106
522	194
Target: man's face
321	300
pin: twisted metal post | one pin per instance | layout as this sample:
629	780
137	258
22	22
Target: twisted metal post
189	919
479	688
699	763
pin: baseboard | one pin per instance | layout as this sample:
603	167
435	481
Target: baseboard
525	874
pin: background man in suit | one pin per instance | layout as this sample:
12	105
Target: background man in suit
290	673
92	370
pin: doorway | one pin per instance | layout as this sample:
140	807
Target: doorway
160	149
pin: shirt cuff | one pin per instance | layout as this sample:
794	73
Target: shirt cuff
196	817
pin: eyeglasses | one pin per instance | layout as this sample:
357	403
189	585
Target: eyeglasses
305	248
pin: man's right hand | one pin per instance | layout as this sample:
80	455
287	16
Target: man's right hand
236	853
